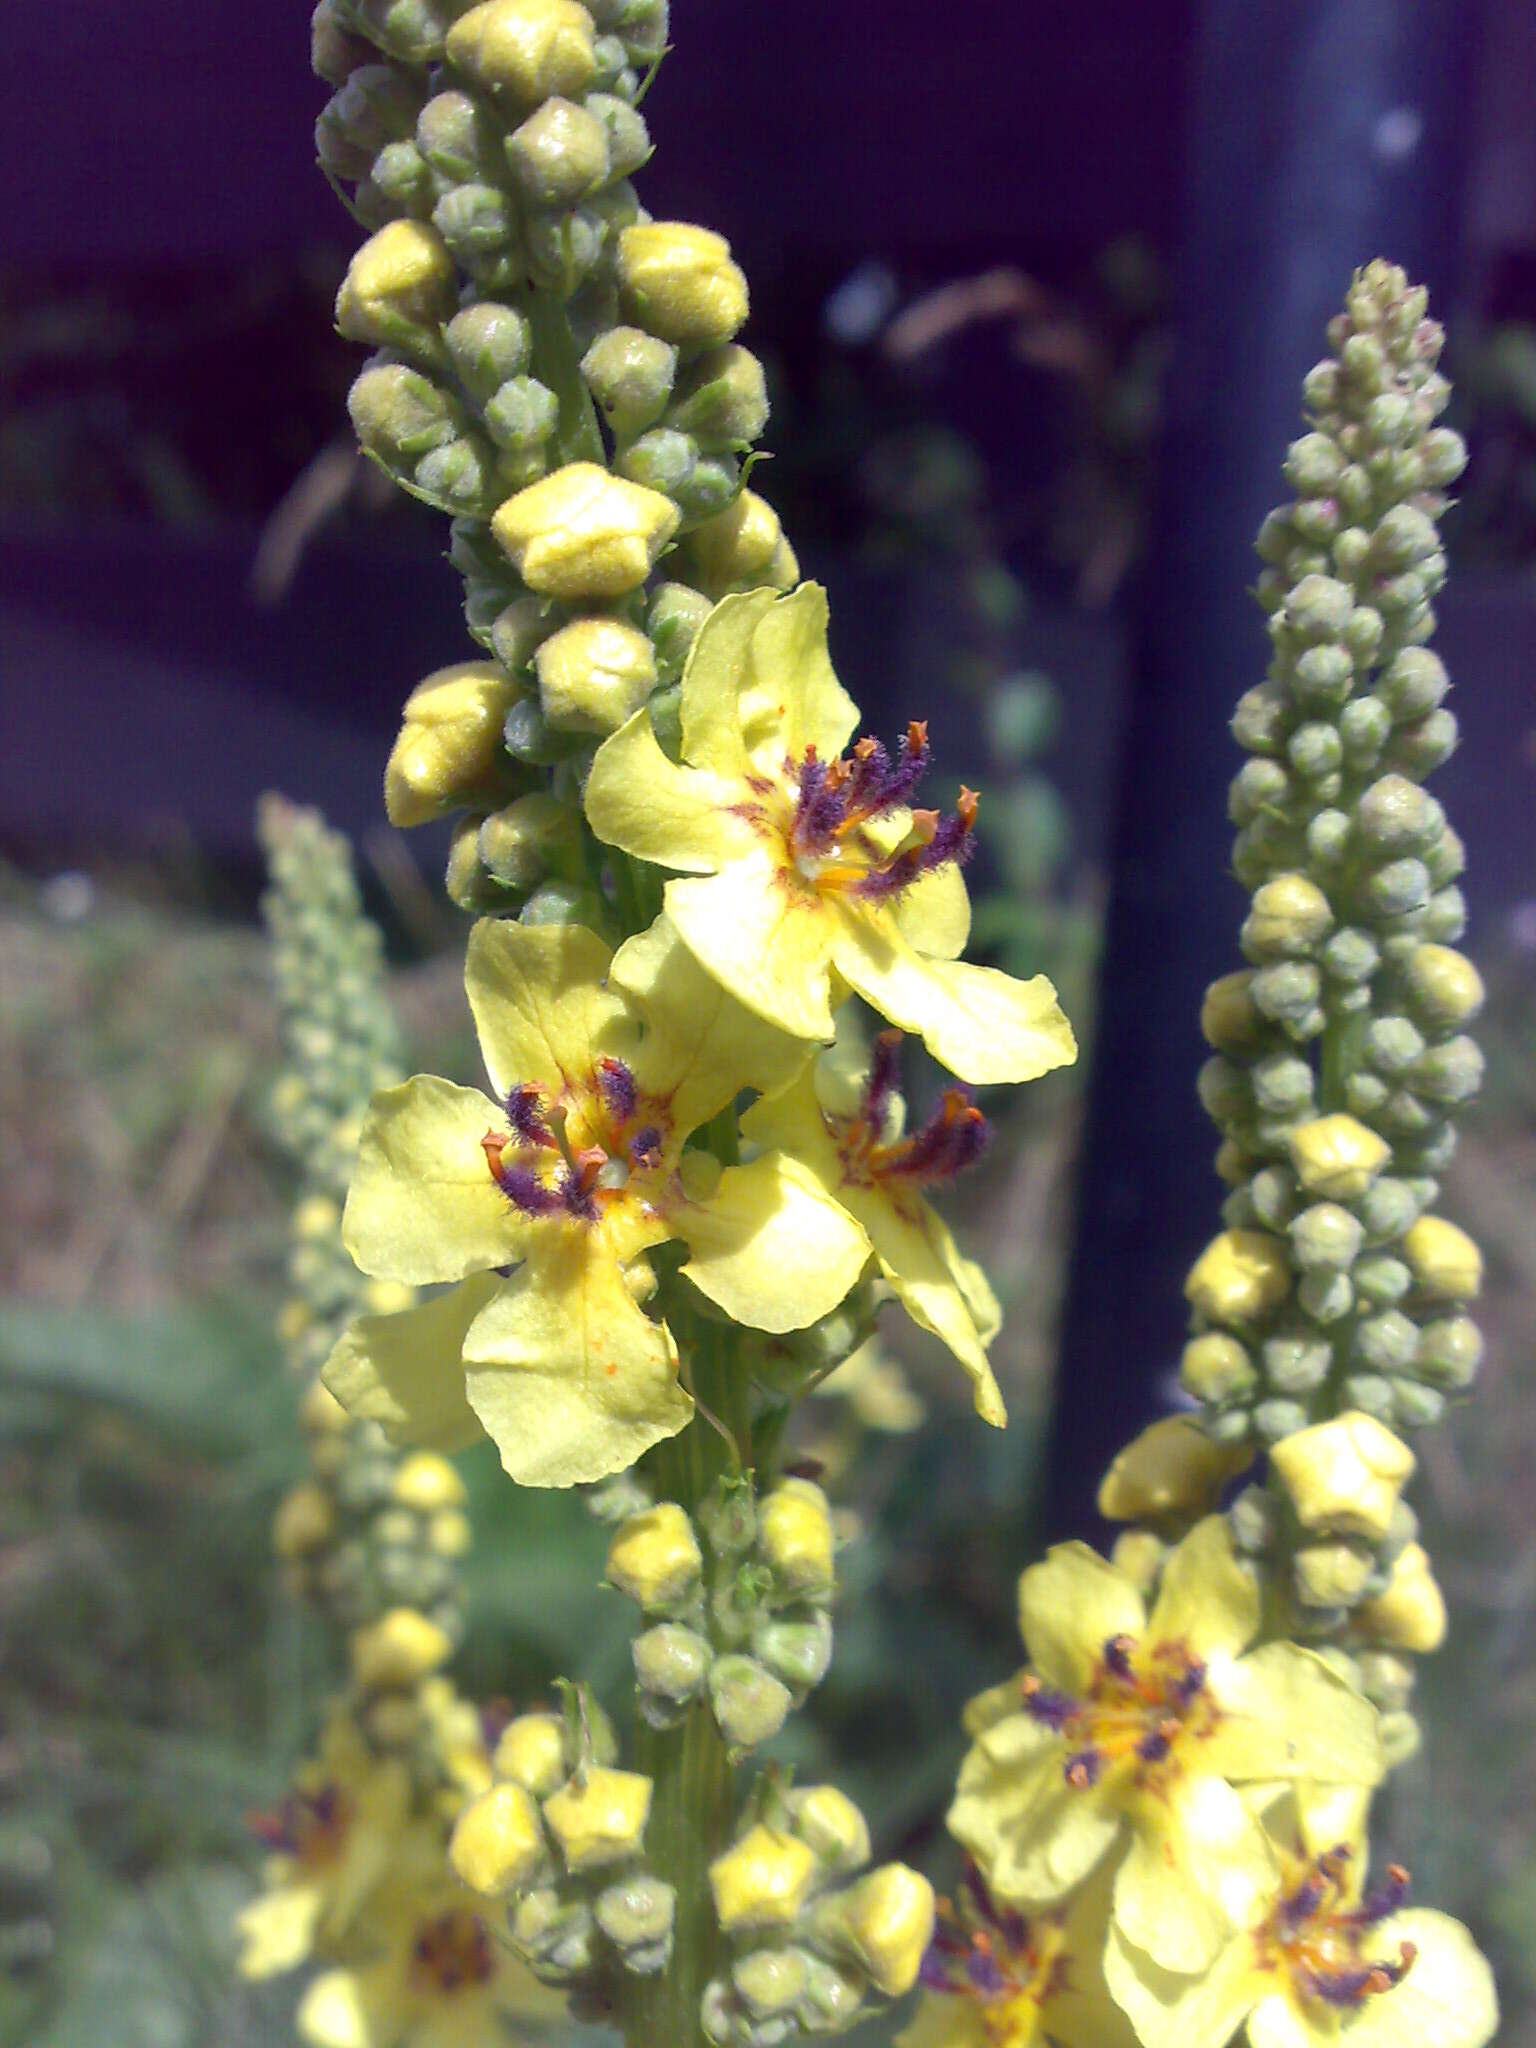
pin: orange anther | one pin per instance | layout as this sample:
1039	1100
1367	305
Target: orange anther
494	1145
864	748
917	735
968	806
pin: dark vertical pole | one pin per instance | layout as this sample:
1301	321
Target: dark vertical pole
1326	132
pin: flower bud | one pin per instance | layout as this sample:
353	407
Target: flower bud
749	1703
1449	1353
559	154
1443	454
1172	1468
1296	1365
797	1652
1380	1281
526	50
1337	1157
1216	1368
489	344
553	1935
531	1753
1445	917
654	1558
410	30
1413	684
425	1482
581	533
832	1825
1449	1074
637	1915
630	375
1319	609
1410	1614
449	752
1445	1262
1344	1475
1332	1573
1227	1016
1287	992
450	1534
305	1521
770	1980
334	53
727	1516
399	1648
521	415
884	1923
1262	720
593	674
678	282
457	139
741	548
671	1661
1312	465
529	839
1326	1237
399	289
723	399
1240	1276
1282	1086
601	1820
497	1844
795	1537
375	107
763	1880
1277	1419
1316	751
661	459
1386	1343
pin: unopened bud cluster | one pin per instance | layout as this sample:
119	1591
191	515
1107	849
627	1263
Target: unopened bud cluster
556	372
559	1838
1340	1053
810	1942
737	1600
366	1535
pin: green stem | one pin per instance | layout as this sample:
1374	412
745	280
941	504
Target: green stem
694	1805
578	437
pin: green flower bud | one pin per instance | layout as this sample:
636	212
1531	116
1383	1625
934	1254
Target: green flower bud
637	1915
1290	915
671	1661
1273	1189
1225	1090
399	289
457	140
1449	1074
1413	683
1380	1281
593	674
1351	551
1445	988
1312	465
411	30
375	106
1216	1368
1322	676
750	1704
1363	635
771	1980
832	1825
662	460
1288	992
523	414
1350	957
517	631
1424	745
460	477
1315	751
1327	1297
727	1517
477	223
530	839
1415	1406
401	175
1392	1044
628	139
798	1652
488	344
723	400
1449	1353
676	613
1326	1238
1296	1365
559	154
1327	838
466	880
1387	1343
1364	361
1331	1573
1262	720
1397	888
678	282
1259	785
525	50
554	1937
1405	536
1365	726
1282	1085
1365	1094
334	54
1443	456
1275	1420
630	375
1446	855
1319	609
1445	917
709	486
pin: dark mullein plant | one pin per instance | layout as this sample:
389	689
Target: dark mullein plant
691	1184
1168	1808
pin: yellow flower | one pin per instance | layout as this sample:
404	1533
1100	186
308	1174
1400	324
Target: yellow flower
1326	1962
436	1977
1241	1275
1172	1468
1131	1731
805	872
1410	1614
1345	1474
334	1836
678	282
857	1151
1337	1156
996	1979
582	532
602	1067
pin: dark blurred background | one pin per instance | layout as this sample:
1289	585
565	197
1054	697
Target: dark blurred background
1036	285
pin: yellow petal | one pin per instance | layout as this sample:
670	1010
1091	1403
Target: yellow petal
718	670
1448	1997
422	1205
1287	1714
934	914
945	2021
1198	1869
403	1370
911	1250
277	1930
701	1047
1170	2009
540	1008
678	817
768	947
1207	1598
1033	1834
771	1247
335	2013
796	697
1069	1607
570	1378
980	1023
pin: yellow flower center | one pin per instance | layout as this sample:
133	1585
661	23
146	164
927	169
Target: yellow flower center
874	1154
1144	1702
577	1160
1006	1967
451	1953
1314	1938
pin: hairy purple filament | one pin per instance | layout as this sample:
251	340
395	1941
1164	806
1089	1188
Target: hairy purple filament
1320	1944
835	798
574	1189
990	1953
954	1137
616	1085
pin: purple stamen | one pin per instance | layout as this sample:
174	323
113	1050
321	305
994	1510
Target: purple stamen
1084	1769
1190	1683
953	1138
1051	1709
525	1113
1384	1899
1153	1747
524	1190
1117	1655
645	1146
884	1075
616	1085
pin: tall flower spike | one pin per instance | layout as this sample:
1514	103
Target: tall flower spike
804	871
